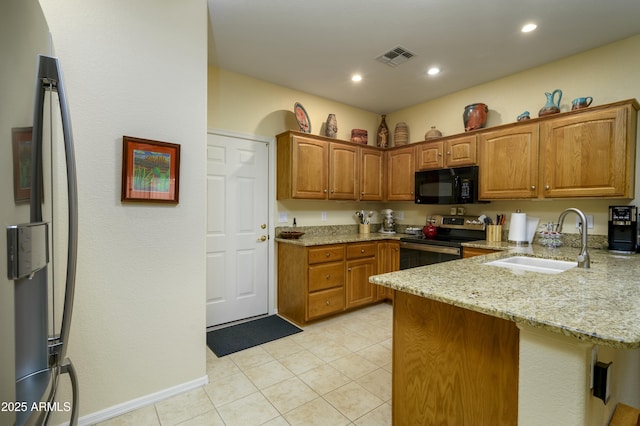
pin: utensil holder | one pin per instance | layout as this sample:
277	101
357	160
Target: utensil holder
494	233
364	228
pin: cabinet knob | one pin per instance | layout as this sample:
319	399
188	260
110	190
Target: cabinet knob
362	251
349	269
547	187
448	153
328	254
533	187
328	302
362	193
439	154
328	276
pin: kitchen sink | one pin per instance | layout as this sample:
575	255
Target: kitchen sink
533	264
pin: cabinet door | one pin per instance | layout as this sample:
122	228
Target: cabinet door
388	261
460	151
309	166
400	174
508	164
371	174
430	156
359	291
586	155
343	172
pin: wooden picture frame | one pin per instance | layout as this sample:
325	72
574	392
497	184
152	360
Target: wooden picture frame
150	171
21	138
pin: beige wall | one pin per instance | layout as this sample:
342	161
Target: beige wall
608	74
138	69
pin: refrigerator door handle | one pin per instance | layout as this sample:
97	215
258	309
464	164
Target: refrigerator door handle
50	78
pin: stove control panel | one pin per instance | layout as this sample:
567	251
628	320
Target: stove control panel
461	222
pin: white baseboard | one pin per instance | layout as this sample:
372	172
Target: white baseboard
143	401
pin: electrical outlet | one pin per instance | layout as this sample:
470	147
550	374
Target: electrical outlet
323	216
589	221
283	217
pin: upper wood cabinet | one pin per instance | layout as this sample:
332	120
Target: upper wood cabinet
400	174
343	171
450	152
371	174
310	167
508	164
576	154
589	155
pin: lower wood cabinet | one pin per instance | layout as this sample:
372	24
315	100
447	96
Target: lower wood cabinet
314	282
388	261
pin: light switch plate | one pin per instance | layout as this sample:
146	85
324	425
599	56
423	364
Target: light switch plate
324	216
589	221
283	217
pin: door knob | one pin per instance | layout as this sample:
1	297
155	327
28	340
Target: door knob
263	238
263	226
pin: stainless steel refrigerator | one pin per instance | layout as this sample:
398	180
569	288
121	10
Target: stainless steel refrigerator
38	211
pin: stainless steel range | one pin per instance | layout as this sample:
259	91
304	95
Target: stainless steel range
443	247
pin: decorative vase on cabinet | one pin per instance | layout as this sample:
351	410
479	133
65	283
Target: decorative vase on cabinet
475	116
551	107
383	134
331	126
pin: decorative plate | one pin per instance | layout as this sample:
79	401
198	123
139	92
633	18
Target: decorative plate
302	118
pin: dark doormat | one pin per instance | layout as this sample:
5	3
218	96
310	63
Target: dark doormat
238	337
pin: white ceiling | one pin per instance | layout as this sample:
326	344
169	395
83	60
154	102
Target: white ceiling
315	46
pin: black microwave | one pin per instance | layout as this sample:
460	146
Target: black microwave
447	186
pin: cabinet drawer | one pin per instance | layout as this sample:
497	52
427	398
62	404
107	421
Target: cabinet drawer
355	251
326	254
326	302
326	275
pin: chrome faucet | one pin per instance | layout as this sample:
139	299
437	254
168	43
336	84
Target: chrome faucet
583	258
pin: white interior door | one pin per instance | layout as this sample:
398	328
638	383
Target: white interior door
237	228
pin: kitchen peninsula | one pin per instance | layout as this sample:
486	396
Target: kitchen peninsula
480	344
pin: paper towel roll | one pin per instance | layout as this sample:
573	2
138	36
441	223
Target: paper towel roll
518	227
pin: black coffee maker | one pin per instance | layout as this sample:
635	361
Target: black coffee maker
623	229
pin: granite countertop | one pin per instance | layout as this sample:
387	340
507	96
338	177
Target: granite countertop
600	304
320	240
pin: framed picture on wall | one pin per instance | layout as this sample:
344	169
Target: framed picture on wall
21	139
150	171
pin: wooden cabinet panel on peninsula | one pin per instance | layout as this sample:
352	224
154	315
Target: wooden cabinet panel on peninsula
450	152
401	167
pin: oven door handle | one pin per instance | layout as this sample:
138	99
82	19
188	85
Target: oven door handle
430	248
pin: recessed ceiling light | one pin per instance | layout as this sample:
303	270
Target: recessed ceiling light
433	71
528	28
356	77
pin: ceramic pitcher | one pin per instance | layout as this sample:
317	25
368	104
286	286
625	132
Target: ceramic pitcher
552	106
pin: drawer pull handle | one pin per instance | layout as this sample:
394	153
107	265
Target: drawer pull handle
328	276
328	254
362	251
328	302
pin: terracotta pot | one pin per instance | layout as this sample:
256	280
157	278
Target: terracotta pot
475	116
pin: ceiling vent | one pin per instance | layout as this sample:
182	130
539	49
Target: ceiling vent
396	56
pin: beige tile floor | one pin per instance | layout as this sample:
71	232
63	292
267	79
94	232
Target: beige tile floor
336	372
